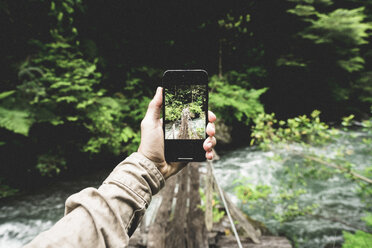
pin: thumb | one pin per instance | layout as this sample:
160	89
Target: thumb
154	108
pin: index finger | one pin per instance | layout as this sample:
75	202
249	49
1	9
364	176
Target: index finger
211	116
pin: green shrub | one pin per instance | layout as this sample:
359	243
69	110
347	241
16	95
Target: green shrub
234	103
359	238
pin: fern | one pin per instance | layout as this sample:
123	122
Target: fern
359	238
17	121
234	102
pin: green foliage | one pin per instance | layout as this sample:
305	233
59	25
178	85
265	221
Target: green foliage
6	94
196	109
364	87
347	120
368	219
67	79
63	11
15	120
216	212
230	22
200	131
367	124
6	190
106	124
174	107
336	33
301	165
306	132
283	205
50	165
248	192
233	102
359	238
342	26
180	97
70	84
60	87
268	130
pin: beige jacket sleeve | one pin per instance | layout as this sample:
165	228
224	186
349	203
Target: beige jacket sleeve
106	217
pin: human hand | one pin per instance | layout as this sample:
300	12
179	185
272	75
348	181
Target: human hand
152	137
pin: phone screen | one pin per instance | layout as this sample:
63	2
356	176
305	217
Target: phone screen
185	108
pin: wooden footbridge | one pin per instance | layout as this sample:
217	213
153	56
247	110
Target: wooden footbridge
177	221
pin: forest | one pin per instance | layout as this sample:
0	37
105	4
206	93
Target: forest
290	80
188	101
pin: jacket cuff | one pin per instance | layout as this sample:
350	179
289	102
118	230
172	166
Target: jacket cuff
139	174
152	170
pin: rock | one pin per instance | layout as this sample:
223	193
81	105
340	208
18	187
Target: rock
223	132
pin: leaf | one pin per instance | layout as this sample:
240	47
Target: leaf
90	69
352	64
368	219
6	94
303	10
127	133
60	16
67	99
72	118
341	25
17	121
60	84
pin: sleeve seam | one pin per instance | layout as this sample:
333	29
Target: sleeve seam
151	167
127	187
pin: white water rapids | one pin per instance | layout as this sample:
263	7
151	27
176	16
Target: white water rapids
24	216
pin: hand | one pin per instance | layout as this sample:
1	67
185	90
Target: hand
152	137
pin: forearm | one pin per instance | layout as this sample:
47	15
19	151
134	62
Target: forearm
108	216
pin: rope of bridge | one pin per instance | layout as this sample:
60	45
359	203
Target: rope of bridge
210	165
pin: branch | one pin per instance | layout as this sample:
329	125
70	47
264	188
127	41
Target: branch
361	177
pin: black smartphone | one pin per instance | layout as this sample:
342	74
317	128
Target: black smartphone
185	114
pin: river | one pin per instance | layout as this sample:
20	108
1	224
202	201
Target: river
23	217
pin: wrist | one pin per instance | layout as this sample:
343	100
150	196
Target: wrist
151	165
160	165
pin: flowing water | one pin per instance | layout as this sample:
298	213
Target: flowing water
339	207
24	216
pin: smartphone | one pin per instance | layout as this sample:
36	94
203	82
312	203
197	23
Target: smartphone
185	114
